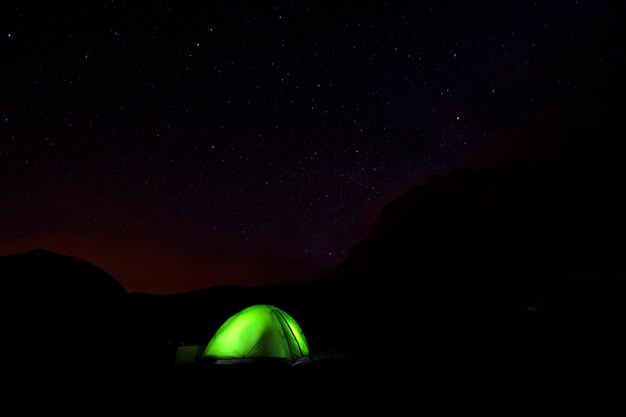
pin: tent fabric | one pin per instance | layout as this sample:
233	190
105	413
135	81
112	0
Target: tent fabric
259	331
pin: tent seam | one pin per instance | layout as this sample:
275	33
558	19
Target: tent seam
292	333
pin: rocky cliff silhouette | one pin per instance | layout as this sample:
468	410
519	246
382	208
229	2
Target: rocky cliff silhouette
525	256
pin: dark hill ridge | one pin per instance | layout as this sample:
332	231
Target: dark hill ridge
494	236
47	274
533	218
464	256
524	256
65	316
475	263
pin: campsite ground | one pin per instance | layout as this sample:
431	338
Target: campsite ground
410	379
419	373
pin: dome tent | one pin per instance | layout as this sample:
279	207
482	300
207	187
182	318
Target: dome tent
258	332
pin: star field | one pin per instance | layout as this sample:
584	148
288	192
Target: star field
255	143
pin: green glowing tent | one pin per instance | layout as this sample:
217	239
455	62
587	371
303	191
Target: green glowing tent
258	332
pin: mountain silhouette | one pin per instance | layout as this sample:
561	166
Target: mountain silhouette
520	260
510	221
467	258
47	274
523	260
66	314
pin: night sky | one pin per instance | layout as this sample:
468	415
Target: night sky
182	146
